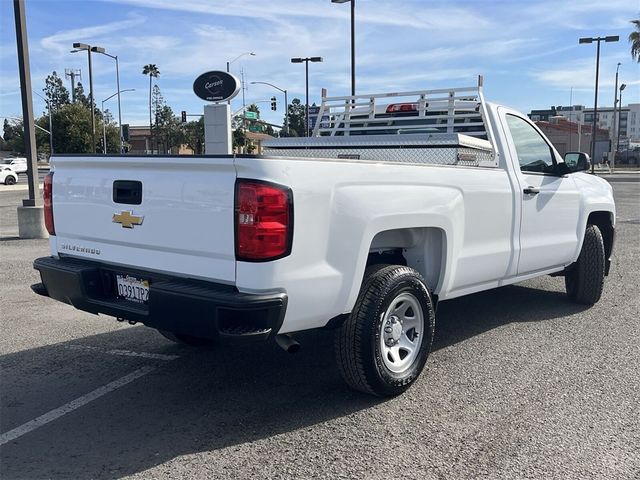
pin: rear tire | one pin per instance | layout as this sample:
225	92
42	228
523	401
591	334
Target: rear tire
585	279
187	339
9	180
384	344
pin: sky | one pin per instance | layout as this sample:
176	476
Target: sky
527	50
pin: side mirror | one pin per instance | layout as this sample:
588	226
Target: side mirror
576	161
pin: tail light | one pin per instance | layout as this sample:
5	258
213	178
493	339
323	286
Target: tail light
264	221
47	196
402	107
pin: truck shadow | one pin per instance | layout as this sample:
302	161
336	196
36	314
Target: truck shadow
205	401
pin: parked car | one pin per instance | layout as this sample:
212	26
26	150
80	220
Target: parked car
19	164
363	234
8	176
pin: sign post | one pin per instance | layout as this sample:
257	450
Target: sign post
218	87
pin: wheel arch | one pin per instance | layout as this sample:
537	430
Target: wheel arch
421	248
604	220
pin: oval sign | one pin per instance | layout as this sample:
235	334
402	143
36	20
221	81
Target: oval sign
216	86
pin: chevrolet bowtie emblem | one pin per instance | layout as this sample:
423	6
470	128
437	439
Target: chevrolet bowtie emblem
127	219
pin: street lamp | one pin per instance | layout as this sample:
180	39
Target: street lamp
115	57
614	146
286	104
239	56
78	48
50	132
242	81
104	123
611	38
353	42
306	61
622	87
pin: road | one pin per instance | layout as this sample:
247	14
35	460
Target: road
521	384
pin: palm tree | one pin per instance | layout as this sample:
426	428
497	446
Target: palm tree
634	39
152	70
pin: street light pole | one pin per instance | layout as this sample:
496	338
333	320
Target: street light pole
115	57
611	38
104	120
306	60
353	42
286	104
622	87
614	146
79	47
239	56
48	102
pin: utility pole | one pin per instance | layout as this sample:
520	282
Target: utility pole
31	213
72	73
27	106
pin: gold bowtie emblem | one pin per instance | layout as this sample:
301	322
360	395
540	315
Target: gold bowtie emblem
127	219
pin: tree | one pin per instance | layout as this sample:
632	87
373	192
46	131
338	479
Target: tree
193	135
168	129
55	91
79	95
13	135
239	125
634	39
296	119
152	70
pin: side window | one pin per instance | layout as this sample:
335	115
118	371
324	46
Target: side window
534	154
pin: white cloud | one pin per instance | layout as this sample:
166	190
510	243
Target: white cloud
61	41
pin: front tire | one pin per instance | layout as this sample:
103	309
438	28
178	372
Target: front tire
384	344
585	279
9	180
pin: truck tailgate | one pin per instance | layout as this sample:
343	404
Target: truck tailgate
185	213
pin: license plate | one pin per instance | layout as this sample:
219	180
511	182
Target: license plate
133	289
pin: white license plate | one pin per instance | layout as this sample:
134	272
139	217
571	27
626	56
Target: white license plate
133	289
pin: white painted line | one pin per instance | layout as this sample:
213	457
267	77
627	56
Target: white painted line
124	353
71	406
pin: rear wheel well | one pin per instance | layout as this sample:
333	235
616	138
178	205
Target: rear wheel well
421	248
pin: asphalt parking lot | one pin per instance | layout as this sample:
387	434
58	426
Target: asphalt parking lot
521	384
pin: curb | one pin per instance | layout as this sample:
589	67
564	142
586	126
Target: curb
16	188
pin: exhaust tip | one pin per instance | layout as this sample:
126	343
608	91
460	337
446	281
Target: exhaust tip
287	343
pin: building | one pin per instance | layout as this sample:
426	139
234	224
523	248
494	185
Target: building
629	119
140	143
574	113
569	136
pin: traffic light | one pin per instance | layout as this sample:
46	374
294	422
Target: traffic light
273	104
125	132
184	116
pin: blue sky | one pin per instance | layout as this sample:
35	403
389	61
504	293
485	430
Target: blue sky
528	51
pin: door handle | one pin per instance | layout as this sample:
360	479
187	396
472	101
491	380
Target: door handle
531	190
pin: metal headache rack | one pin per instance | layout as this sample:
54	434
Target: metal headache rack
449	110
438	127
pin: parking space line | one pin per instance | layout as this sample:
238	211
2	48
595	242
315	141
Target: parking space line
124	353
73	405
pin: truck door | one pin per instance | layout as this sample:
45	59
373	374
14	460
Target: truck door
550	204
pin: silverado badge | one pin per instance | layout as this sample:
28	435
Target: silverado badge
127	219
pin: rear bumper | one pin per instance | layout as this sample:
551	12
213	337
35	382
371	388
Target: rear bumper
184	306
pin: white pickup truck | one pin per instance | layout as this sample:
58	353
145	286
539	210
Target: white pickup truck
391	206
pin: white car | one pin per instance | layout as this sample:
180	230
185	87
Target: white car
18	164
363	234
8	176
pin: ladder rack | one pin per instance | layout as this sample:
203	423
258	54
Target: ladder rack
450	110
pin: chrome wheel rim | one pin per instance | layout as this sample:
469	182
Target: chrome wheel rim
401	333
